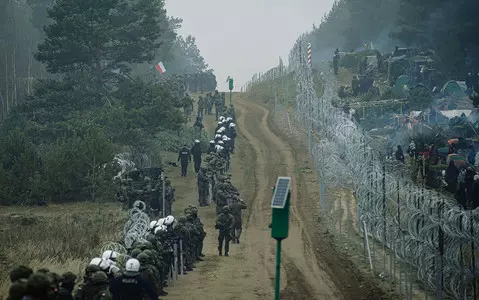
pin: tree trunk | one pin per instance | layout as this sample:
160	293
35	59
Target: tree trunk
29	74
6	85
14	80
94	180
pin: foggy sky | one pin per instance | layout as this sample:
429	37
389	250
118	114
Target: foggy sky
240	38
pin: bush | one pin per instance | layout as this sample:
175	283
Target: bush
18	164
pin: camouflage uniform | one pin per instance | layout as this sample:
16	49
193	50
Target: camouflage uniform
182	231
203	185
146	272
201	106
95	287
224	223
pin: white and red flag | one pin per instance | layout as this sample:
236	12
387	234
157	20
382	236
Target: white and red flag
160	67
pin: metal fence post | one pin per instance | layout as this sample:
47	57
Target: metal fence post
175	261
182	267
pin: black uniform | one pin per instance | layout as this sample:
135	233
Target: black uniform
127	287
196	152
184	156
211	148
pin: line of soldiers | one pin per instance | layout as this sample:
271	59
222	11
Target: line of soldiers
148	265
205	104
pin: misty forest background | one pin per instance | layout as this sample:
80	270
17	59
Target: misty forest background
448	27
77	83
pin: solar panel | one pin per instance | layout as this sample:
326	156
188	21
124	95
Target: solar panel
281	192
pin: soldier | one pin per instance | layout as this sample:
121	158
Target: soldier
169	197
201	107
196	152
200	227
86	288
198	126
232	135
236	209
203	185
130	285
224	223
146	273
195	235
336	61
67	284
184	156
211	147
99	287
182	232
209	103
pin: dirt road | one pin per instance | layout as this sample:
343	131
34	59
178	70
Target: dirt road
248	273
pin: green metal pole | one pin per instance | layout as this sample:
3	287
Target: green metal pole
230	98
278	270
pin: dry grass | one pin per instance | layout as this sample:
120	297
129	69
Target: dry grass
59	237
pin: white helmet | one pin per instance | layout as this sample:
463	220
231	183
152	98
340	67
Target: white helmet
219	148
229	119
212	141
132	265
232	125
219	122
225	138
154	224
197	141
169	220
110	254
220	142
222	129
100	262
217	136
222	118
160	228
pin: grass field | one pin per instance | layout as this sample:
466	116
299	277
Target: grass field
59	237
66	237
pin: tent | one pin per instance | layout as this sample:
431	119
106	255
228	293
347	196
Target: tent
456	113
453	88
402	81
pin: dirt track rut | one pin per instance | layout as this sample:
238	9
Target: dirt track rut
249	271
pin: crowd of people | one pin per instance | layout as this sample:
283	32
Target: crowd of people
461	177
142	270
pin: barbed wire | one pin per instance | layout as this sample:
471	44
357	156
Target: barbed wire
422	227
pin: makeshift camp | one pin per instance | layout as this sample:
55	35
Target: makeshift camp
402	81
459	161
453	89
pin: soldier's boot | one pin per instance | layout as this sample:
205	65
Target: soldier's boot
226	254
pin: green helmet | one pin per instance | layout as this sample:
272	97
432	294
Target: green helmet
90	269
226	209
135	252
148	252
142	257
99	277
182	219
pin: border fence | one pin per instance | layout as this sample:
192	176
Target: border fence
417	238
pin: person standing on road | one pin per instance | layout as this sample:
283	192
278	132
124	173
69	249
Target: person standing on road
184	157
224	223
236	209
196	152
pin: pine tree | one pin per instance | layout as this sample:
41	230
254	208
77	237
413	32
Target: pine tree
97	38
